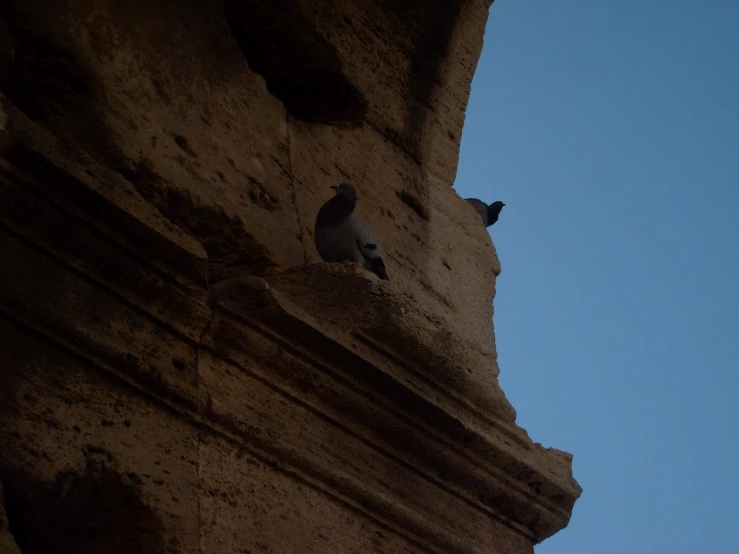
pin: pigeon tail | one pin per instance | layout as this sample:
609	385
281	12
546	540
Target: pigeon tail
377	266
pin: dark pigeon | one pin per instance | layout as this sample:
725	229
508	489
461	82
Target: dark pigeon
488	214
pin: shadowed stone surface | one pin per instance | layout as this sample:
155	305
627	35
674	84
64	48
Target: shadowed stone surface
176	356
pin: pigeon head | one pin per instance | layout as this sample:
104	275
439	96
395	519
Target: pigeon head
495	208
346	194
494	211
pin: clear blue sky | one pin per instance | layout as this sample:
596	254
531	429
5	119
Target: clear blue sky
611	132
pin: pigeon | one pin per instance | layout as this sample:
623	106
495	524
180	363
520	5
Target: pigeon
341	235
488	214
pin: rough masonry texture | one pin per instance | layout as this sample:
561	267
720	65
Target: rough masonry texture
179	371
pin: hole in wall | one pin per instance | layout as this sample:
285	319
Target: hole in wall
299	65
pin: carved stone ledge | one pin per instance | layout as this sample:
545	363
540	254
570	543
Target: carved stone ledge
484	462
96	192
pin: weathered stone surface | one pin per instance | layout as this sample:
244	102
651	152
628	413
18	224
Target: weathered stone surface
174	351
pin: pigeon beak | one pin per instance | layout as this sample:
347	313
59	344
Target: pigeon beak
334	187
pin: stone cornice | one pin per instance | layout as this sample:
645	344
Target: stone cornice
479	459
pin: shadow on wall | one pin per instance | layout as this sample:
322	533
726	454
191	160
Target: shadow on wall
52	87
231	249
300	66
429	25
98	511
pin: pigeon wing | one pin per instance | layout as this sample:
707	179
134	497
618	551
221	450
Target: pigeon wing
481	208
368	248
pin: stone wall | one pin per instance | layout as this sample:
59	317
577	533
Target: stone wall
180	372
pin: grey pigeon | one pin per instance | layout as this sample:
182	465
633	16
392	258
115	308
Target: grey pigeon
488	214
342	236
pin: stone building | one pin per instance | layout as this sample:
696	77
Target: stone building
180	372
